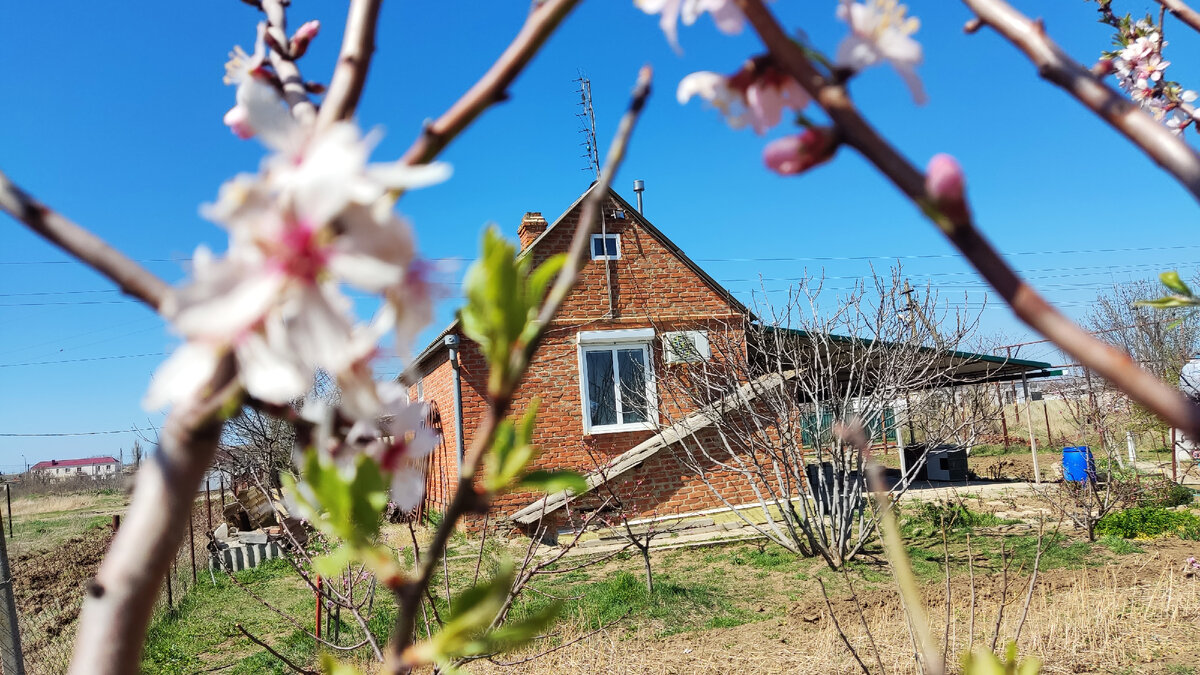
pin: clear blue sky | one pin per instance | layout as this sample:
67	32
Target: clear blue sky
112	115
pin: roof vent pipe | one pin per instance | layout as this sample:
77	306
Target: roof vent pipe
639	186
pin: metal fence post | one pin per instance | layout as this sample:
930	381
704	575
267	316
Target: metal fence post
11	657
192	540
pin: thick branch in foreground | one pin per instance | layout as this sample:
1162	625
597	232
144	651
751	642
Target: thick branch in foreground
1025	302
493	86
466	498
1167	150
1181	11
350	74
133	279
120	600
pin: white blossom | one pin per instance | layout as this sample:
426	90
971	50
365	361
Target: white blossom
880	31
316	216
725	14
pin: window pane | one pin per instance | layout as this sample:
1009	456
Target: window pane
610	245
632	364
597	247
602	403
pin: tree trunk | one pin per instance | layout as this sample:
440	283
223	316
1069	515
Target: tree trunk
646	561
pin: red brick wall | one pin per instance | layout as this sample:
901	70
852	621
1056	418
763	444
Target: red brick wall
650	287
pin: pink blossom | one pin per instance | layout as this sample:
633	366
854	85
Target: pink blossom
796	154
756	95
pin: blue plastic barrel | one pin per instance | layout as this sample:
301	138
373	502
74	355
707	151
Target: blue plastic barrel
1078	464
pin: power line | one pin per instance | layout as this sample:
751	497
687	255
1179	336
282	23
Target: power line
925	256
90	358
81	433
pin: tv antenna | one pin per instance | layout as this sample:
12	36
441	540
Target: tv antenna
587	125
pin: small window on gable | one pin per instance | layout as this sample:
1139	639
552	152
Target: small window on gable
606	247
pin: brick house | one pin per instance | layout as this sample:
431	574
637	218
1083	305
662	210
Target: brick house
639	305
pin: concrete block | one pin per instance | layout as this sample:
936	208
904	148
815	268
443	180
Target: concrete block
252	537
222	532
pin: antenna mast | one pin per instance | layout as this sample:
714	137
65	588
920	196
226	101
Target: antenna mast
587	125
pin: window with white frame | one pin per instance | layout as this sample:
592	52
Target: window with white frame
617	380
606	247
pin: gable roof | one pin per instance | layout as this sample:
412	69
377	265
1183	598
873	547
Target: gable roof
640	220
59	463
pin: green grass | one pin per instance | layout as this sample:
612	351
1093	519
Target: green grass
1118	545
675	606
202	631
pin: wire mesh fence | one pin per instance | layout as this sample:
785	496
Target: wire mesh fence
50	572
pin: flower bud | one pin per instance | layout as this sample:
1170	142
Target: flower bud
238	121
944	180
796	154
303	37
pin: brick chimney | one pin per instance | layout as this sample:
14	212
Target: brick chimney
532	226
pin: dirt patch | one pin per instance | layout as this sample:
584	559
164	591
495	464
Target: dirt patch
49	587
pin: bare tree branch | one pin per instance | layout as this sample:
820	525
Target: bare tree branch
288	662
1026	303
350	74
1167	150
493	86
133	279
1181	11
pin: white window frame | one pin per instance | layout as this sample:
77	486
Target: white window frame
611	341
604	256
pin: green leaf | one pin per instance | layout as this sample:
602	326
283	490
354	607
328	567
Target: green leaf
331	666
512	450
1172	281
1167	302
334	563
471	612
551	482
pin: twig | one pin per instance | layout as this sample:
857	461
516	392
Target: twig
971	572
120	600
286	661
1181	11
294	90
862	618
350	74
1003	595
893	545
1037	559
946	553
493	86
1167	150
1026	303
133	279
466	498
840	632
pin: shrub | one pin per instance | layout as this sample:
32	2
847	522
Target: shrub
1149	521
1166	494
953	515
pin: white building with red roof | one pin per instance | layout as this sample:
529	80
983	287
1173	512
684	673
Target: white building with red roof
61	469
